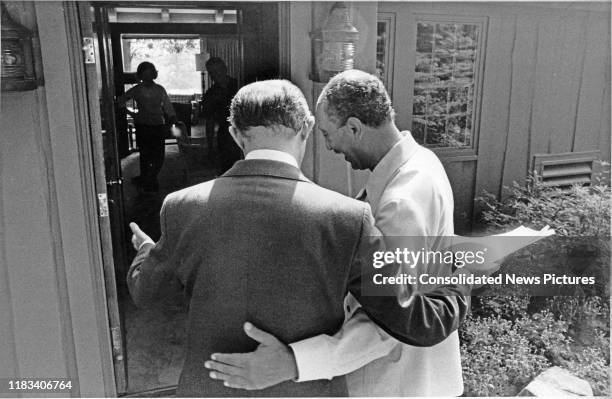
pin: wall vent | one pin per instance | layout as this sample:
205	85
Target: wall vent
567	169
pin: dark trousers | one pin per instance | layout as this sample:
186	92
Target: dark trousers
151	144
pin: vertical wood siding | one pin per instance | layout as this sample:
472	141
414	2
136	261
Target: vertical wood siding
546	90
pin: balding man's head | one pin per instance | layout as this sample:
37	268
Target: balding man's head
271	114
272	104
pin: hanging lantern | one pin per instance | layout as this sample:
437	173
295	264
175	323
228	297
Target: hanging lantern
338	38
17	72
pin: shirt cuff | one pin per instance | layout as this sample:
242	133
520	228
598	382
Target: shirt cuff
149	241
310	358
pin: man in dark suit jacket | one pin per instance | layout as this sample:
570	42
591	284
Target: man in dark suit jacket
264	244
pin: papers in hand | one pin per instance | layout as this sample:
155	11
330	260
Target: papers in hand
499	246
523	236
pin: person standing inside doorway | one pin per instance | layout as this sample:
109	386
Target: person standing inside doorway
216	105
155	111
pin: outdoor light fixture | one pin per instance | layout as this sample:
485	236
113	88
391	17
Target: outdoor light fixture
334	44
17	73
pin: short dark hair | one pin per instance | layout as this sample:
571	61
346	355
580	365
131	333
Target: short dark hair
358	94
215	62
142	67
269	103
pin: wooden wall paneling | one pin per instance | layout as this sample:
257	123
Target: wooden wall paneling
566	85
331	169
403	63
76	203
461	175
300	65
32	271
323	162
590	111
365	17
35	271
516	154
549	47
44	142
495	104
8	365
604	131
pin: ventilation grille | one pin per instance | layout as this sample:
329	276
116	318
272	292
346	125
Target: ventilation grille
568	169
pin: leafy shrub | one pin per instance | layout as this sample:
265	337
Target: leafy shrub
501	356
581	211
547	335
511	338
580	313
571	332
507	307
593	364
497	358
588	321
580	216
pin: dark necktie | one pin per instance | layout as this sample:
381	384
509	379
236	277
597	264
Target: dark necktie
362	195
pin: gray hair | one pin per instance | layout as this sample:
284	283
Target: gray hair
269	103
358	94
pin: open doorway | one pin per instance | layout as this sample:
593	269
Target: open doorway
177	40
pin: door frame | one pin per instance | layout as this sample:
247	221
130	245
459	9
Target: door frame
99	93
91	261
87	117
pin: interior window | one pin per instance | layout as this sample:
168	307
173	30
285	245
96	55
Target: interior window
174	58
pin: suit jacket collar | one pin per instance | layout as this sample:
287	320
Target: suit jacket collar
266	167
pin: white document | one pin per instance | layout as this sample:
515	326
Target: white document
497	249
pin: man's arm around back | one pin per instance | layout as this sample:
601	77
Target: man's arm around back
426	319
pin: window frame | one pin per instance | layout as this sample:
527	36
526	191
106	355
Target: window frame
127	36
389	19
470	152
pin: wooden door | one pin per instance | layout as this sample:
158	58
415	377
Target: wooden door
431	56
107	171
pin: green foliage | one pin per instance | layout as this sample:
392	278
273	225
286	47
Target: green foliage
580	217
497	357
501	356
581	211
547	335
588	320
506	306
580	313
173	58
593	364
446	65
571	332
147	48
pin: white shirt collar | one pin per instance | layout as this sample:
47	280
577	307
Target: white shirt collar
389	166
273	155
